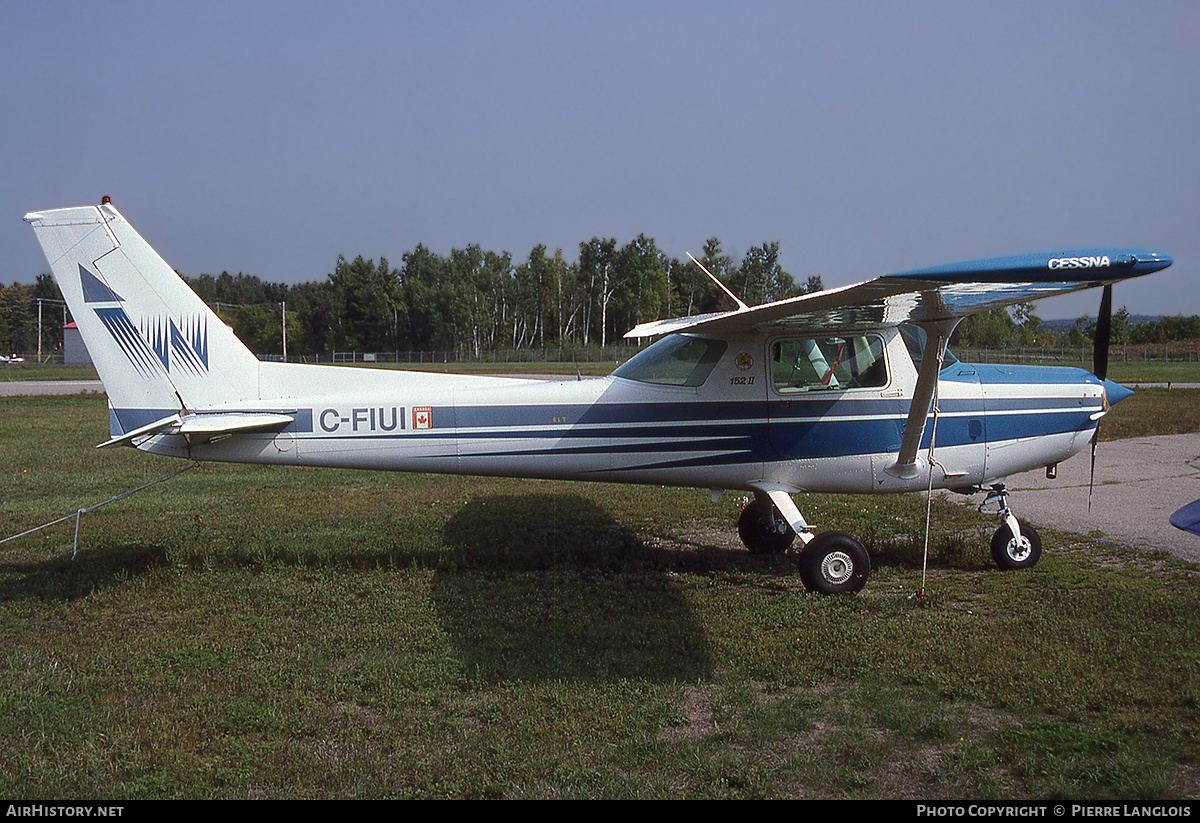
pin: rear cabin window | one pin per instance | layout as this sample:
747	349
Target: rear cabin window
828	364
678	360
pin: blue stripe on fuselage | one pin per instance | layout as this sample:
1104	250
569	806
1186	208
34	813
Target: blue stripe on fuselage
798	427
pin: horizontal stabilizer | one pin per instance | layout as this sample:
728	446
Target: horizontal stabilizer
1188	518
205	427
213	425
142	431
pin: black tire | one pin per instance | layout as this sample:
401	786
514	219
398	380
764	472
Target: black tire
1010	554
834	563
763	529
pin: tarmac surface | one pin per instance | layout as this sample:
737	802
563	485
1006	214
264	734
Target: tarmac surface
1140	482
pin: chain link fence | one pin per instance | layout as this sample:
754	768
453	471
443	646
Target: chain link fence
1180	352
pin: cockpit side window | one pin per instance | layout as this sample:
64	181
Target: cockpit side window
828	363
678	360
916	339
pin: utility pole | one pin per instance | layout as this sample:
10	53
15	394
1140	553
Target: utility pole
283	327
39	331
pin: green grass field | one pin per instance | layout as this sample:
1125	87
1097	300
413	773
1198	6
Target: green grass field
247	632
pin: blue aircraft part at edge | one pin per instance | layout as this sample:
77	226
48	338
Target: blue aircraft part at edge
1043	267
1188	518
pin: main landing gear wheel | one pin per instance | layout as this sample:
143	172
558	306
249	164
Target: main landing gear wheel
763	529
1016	553
834	563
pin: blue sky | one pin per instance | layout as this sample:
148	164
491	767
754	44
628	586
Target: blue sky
865	137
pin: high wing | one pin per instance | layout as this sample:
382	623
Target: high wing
937	298
930	295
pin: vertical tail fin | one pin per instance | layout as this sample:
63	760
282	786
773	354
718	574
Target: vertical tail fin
157	347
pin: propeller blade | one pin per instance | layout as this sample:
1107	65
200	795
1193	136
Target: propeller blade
1103	335
1092	478
1100	368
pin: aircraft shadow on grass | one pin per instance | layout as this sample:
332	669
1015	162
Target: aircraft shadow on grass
550	586
62	577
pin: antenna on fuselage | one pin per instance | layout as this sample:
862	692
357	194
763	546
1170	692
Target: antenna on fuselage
722	286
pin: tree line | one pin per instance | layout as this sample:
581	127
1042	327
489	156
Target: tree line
19	316
472	301
1019	326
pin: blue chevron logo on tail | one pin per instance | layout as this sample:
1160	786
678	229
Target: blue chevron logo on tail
131	342
190	345
157	339
95	290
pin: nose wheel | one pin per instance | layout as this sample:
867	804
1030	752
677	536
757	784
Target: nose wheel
1016	544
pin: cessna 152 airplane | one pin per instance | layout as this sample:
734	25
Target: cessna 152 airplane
846	390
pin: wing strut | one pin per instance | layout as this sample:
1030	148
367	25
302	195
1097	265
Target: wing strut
938	333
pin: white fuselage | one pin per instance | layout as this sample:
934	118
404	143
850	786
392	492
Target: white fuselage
741	426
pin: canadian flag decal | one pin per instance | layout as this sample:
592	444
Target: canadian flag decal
421	417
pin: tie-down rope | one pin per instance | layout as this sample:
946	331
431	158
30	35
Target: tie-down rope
80	512
941	351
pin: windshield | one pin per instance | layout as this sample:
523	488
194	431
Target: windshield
678	360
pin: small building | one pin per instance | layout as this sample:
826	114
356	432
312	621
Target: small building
74	352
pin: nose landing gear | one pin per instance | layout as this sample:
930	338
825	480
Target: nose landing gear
1016	544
